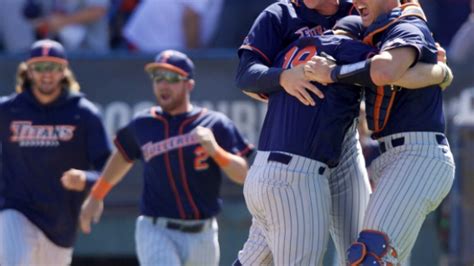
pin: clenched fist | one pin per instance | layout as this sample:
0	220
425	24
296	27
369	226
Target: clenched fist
74	179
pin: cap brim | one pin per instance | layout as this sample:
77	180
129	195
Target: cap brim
47	59
151	66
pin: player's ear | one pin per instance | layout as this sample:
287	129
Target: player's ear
190	85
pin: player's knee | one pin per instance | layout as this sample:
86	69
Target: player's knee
372	248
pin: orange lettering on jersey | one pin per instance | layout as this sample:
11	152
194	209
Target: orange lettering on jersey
201	158
288	57
304	55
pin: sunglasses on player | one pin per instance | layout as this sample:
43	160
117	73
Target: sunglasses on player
42	67
168	76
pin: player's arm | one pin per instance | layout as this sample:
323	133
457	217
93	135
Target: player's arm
115	169
421	74
98	151
388	67
234	166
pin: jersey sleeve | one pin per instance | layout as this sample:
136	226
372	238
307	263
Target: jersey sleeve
230	139
126	143
404	35
265	36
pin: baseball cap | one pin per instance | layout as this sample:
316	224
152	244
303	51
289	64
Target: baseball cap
351	24
47	51
173	61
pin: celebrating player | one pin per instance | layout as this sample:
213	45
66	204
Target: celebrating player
274	30
291	206
183	148
49	131
416	168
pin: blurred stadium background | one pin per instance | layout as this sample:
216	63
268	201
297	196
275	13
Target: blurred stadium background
117	83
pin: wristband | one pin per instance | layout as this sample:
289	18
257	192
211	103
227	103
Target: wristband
448	77
354	74
221	157
100	189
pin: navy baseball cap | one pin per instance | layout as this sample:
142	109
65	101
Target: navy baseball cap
351	24
173	61
47	51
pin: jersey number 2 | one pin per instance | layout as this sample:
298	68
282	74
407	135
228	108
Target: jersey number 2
201	158
297	56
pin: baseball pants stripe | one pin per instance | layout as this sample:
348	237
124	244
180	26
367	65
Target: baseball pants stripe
158	245
412	180
350	193
290	205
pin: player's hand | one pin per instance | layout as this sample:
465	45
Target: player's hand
441	53
206	138
90	212
294	82
74	179
319	69
448	76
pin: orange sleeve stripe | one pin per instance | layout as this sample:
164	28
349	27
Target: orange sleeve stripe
255	49
100	189
222	158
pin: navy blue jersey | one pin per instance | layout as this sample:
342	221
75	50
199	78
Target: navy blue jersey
404	110
315	132
38	144
180	179
286	21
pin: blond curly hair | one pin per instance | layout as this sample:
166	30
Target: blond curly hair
69	81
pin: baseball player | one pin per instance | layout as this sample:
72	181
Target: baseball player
289	189
275	29
49	131
183	148
416	168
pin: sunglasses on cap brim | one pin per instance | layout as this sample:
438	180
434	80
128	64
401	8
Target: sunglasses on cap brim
168	76
42	67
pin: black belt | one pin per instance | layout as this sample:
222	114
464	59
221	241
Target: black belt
396	142
186	228
286	159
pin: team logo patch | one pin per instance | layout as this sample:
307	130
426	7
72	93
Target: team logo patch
152	149
310	32
28	135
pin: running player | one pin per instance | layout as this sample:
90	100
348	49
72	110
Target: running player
48	132
183	148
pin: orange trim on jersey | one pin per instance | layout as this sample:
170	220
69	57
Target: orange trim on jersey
369	39
170	67
47	59
122	150
389	108
197	214
245	150
254	49
378	106
166	157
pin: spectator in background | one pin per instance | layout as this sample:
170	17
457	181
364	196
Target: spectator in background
119	13
179	24
77	24
16	34
461	49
